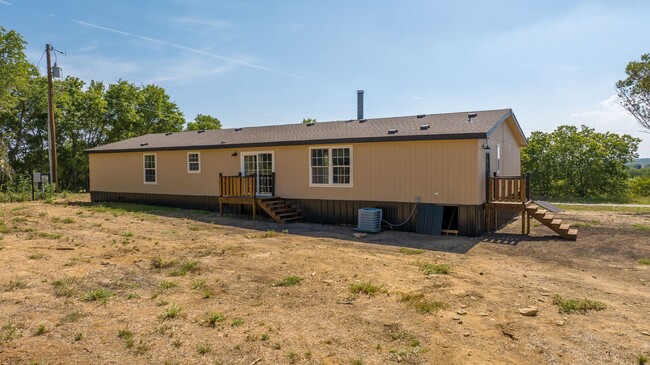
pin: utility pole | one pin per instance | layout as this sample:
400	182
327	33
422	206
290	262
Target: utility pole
50	118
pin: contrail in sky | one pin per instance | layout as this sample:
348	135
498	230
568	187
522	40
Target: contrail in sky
185	48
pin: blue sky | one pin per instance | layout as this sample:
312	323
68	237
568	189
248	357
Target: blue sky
263	62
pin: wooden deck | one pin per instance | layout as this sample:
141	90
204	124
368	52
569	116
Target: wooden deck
512	193
243	190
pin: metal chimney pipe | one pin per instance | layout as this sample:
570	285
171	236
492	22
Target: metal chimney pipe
359	104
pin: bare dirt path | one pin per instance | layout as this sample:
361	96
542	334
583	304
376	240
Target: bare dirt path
115	284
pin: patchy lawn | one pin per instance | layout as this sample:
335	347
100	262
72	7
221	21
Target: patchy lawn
119	283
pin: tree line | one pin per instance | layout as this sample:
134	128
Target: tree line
573	162
86	115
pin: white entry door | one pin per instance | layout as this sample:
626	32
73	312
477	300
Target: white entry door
260	165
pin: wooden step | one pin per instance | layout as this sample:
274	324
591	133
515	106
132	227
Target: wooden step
279	210
555	224
274	202
291	219
287	214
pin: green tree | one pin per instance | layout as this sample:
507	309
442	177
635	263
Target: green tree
80	116
634	91
6	171
25	128
86	115
157	113
133	111
308	120
572	162
15	70
203	122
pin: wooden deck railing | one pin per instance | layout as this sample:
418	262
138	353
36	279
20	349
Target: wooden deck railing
508	189
237	185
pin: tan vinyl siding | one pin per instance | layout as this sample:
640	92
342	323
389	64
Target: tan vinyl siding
388	171
510	149
510	153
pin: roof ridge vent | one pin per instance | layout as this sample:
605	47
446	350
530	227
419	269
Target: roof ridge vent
238	129
420	116
392	131
223	142
363	120
424	127
309	124
168	133
471	116
144	144
201	131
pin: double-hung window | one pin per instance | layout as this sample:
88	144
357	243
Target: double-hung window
193	162
331	166
150	168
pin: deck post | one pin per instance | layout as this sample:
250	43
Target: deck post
527	186
220	194
523	220
254	209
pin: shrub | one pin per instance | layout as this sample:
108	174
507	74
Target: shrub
127	336
171	312
421	304
577	305
203	348
97	295
187	266
410	251
167	285
289	281
212	318
365	288
430	269
639	186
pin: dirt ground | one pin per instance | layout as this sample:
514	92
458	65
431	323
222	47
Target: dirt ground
114	284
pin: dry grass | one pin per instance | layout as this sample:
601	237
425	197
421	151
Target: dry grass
146	284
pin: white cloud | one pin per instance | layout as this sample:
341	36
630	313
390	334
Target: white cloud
189	70
238	61
4	2
609	115
95	67
210	24
418	97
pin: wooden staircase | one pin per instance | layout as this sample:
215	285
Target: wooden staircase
279	210
549	220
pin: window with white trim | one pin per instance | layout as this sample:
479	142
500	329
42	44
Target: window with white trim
193	162
340	166
498	158
150	169
331	166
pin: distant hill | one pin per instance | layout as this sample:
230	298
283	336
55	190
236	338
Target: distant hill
640	161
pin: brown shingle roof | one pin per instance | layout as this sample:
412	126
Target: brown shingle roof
441	126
